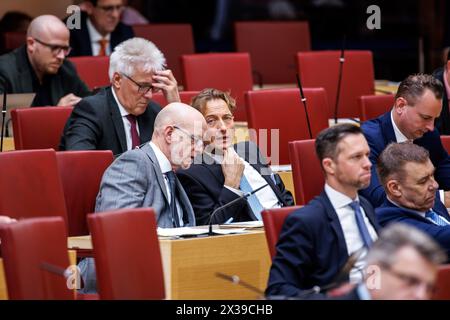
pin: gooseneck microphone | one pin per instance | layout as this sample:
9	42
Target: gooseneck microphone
244	196
299	84
237	280
3	118
338	93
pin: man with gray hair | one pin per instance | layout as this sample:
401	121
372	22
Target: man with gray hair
40	66
121	117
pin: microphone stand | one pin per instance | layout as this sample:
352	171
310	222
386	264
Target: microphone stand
236	280
304	105
3	120
244	196
341	64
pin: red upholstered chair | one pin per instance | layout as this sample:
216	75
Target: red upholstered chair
30	185
34	253
223	71
374	106
81	173
273	222
39	128
286	38
321	69
306	171
173	40
282	109
443	283
127	255
13	40
185	97
93	70
446	142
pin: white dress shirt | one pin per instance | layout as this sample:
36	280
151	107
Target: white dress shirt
350	229
165	166
95	37
126	122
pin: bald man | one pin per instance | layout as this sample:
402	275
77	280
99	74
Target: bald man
40	66
143	177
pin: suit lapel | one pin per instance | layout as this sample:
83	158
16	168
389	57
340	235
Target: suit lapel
117	120
159	175
25	70
387	128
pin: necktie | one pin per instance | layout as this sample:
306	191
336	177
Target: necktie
362	227
436	218
173	205
103	43
253	201
133	131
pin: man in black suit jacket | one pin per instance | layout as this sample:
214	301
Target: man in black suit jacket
40	66
100	23
317	240
443	75
121	117
216	177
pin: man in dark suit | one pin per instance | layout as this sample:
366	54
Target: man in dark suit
223	173
442	74
40	66
121	117
418	103
317	239
406	173
101	30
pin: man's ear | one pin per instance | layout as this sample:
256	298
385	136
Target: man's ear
394	188
116	80
30	44
400	104
328	165
168	130
88	7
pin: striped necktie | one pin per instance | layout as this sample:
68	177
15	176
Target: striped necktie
362	227
253	201
436	218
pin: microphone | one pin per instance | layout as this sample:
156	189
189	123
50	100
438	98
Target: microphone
4	117
236	280
341	64
304	105
244	196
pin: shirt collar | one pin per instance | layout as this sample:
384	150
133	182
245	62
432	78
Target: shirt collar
399	136
123	111
94	34
363	292
338	199
163	162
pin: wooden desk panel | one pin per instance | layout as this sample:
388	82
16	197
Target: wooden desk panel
8	144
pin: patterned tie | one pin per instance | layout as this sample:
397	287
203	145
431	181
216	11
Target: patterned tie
103	43
362	227
436	218
253	201
173	205
133	131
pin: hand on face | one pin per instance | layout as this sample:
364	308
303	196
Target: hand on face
232	168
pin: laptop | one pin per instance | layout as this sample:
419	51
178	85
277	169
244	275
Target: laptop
14	101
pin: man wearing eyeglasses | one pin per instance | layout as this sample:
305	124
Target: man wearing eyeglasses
40	66
101	30
121	117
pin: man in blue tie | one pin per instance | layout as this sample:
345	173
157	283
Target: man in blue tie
317	239
407	175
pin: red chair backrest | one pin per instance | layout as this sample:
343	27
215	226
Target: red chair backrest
443	283
273	222
39	128
173	40
446	142
286	38
13	40
33	250
93	70
374	106
282	109
185	97
321	69
127	255
223	71
81	173
306	171
30	185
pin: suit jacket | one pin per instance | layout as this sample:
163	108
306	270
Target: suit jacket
390	213
204	184
379	133
311	249
17	74
80	40
135	180
96	124
443	121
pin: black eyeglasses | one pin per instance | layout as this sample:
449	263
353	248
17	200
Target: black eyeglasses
111	9
142	88
56	49
194	140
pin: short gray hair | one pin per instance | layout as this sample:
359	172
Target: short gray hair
399	235
136	53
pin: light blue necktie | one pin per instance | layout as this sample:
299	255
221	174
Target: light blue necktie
253	201
362	227
436	218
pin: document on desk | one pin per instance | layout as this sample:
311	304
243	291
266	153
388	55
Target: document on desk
188	231
243	225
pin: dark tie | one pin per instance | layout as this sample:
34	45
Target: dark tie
173	205
362	227
133	131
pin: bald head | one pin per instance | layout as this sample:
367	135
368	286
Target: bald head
45	27
179	114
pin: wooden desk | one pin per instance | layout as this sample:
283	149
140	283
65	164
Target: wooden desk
190	265
8	144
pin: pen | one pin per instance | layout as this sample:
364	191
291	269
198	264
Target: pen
229	220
